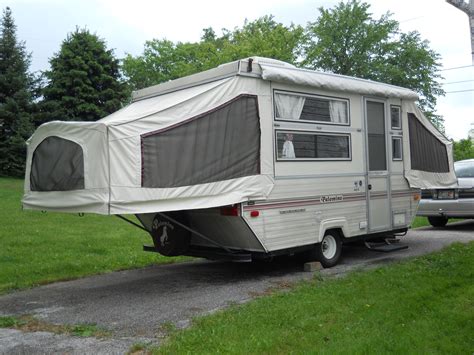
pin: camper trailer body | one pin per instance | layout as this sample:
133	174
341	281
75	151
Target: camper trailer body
318	154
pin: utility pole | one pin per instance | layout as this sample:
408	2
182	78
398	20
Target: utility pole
469	10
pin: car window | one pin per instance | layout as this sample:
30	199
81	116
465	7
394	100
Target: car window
464	170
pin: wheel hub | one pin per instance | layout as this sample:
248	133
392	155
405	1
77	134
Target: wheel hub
329	246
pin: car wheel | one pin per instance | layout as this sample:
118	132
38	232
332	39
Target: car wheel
438	221
169	238
329	250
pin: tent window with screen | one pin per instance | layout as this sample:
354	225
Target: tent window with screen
221	144
58	165
427	153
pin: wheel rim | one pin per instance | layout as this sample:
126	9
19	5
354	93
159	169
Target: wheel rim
329	246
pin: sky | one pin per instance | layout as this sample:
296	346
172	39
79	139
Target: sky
126	25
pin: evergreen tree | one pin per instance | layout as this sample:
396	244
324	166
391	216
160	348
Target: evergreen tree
84	81
15	98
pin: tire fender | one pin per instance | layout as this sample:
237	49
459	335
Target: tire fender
332	223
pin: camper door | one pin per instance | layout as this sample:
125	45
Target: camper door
378	181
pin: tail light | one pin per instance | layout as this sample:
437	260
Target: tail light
233	210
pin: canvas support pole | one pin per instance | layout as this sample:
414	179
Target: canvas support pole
131	222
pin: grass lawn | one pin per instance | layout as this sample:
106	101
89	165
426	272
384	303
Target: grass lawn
37	248
423	222
420	222
425	305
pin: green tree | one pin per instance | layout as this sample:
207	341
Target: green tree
15	98
84	82
464	149
348	40
267	38
163	60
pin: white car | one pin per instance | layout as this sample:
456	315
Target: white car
441	204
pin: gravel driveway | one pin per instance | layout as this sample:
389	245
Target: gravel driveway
138	305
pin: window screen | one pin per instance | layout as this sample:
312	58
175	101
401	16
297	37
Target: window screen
376	135
296	145
311	108
58	165
427	153
397	148
219	145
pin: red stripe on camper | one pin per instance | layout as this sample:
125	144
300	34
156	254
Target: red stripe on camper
351	197
306	202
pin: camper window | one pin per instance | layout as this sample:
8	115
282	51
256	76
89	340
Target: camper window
396	148
427	153
221	144
395	115
312	146
58	165
302	107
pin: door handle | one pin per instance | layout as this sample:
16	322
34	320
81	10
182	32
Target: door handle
369	186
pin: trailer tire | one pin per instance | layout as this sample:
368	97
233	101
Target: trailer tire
329	250
439	221
169	238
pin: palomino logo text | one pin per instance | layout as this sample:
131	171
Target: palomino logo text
331	198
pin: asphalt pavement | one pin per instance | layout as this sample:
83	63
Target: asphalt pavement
137	306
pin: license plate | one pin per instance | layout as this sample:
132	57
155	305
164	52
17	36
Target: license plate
445	194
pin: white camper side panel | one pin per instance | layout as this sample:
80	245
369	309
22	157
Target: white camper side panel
297	220
404	201
313	194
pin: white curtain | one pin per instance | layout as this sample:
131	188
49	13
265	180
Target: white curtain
289	106
338	111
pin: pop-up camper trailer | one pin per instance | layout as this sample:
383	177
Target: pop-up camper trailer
251	159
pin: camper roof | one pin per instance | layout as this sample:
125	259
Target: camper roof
278	71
